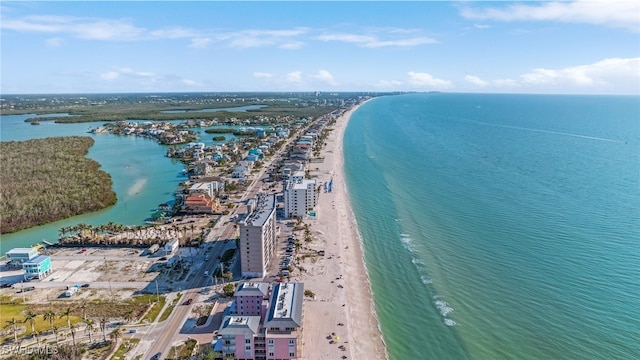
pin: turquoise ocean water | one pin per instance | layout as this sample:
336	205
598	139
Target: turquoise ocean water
500	226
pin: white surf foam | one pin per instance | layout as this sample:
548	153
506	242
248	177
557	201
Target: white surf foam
450	322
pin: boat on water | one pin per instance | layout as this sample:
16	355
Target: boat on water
35	123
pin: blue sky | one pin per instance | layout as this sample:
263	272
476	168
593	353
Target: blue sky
577	47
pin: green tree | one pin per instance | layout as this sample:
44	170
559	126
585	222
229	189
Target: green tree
89	327
229	289
49	316
116	334
67	313
31	319
73	333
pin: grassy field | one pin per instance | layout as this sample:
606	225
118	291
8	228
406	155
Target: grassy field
155	309
123	349
167	312
17	311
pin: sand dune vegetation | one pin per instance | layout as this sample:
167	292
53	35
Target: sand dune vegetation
45	180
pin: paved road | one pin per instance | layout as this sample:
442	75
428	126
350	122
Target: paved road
163	334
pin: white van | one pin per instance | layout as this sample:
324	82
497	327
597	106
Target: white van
206	273
284	272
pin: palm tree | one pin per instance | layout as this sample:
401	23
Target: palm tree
55	332
116	334
13	323
103	327
88	327
51	316
31	319
73	333
67	313
37	334
63	231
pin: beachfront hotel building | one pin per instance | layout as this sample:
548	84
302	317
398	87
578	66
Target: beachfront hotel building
258	236
299	196
275	334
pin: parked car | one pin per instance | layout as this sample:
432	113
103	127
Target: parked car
85	285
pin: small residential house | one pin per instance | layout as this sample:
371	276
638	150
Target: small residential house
240	172
38	267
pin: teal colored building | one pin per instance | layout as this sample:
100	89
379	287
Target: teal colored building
39	267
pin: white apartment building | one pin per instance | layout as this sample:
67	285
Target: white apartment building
258	237
299	196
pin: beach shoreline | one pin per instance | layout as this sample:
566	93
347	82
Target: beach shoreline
342	313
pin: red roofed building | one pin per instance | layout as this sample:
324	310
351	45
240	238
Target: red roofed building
200	203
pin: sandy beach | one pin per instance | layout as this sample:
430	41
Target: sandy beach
341	320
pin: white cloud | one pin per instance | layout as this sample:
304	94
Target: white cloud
324	76
388	84
476	80
372	41
125	72
601	73
422	80
609	75
200	43
190	82
110	75
481	26
623	14
294	76
499	83
284	39
262	75
292	45
55	42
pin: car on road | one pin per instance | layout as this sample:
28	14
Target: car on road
163	258
156	356
85	285
206	273
188	302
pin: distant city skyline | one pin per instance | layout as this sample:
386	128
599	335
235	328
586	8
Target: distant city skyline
568	47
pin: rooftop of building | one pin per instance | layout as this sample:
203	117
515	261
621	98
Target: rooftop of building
239	325
265	206
37	260
253	289
20	251
285	308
